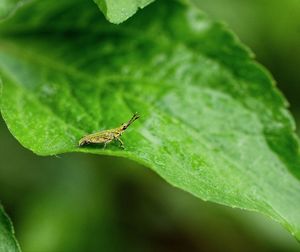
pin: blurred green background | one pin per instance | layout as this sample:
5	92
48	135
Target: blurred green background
78	202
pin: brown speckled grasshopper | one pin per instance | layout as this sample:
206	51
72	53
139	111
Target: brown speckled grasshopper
106	136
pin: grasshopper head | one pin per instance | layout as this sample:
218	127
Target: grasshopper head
124	126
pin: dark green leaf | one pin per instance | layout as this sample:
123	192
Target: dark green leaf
212	122
8	242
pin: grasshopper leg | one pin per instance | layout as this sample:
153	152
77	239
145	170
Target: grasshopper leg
121	142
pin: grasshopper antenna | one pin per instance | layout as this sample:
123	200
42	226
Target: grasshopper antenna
133	118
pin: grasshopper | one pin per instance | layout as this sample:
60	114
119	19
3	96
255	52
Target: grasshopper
106	136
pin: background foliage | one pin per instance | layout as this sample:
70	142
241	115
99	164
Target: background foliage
55	223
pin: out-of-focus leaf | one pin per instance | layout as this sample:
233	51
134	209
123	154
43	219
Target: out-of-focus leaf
8	6
8	242
212	122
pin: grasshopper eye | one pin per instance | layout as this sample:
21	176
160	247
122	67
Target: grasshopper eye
124	126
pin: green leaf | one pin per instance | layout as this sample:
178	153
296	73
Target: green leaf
117	11
7	7
212	122
8	241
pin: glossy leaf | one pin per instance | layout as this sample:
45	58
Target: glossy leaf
213	123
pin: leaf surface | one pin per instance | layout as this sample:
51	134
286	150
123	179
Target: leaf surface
117	11
7	7
7	238
212	122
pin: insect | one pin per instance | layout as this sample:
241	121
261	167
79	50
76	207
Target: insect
106	136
